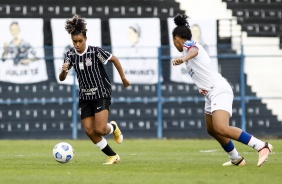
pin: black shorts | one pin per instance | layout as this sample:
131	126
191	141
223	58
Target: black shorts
90	107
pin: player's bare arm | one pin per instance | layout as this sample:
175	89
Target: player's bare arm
193	52
64	71
118	66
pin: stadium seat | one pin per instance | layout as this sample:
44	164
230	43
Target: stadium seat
273	13
32	11
261	29
187	124
3	10
51	10
67	10
117	11
175	89
99	11
257	16
131	11
16	10
84	10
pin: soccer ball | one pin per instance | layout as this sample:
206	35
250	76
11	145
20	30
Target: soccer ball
63	152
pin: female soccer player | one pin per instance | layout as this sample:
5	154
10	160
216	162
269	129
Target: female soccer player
94	86
218	95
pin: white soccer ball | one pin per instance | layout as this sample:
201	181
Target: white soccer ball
63	152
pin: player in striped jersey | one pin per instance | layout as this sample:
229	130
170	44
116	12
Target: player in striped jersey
218	95
94	86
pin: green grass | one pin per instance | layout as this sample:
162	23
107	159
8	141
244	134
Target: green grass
143	161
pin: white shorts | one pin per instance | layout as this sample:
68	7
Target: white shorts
219	98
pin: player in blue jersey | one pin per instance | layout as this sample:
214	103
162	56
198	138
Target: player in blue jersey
218	96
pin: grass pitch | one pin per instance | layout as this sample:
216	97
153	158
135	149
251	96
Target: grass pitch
142	161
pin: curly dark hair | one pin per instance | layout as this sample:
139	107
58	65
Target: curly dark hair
76	25
182	28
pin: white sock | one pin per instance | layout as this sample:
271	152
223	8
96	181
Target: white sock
102	144
255	143
111	127
234	155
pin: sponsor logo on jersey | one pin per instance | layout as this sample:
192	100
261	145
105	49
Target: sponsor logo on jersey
101	58
91	91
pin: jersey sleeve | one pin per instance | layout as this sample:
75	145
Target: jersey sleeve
189	44
103	56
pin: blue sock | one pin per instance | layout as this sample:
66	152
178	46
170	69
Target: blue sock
244	138
228	147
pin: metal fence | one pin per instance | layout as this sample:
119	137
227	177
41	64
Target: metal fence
157	100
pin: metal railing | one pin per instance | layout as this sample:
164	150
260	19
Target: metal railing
158	99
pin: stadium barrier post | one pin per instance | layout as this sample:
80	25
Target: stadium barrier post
74	108
242	79
159	90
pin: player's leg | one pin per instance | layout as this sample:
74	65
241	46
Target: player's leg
102	127
221	126
226	143
112	127
95	126
96	137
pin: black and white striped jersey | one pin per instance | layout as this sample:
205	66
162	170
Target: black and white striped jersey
93	80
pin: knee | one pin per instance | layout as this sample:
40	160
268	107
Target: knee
221	131
211	132
89	131
102	130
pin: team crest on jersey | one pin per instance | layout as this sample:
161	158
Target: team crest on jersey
88	61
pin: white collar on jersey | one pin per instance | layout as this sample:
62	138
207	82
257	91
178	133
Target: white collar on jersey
86	47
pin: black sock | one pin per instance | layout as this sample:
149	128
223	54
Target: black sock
108	151
114	126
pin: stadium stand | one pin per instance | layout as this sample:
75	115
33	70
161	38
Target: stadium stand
258	17
260	20
138	120
35	114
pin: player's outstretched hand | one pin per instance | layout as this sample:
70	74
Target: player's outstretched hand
125	82
177	61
